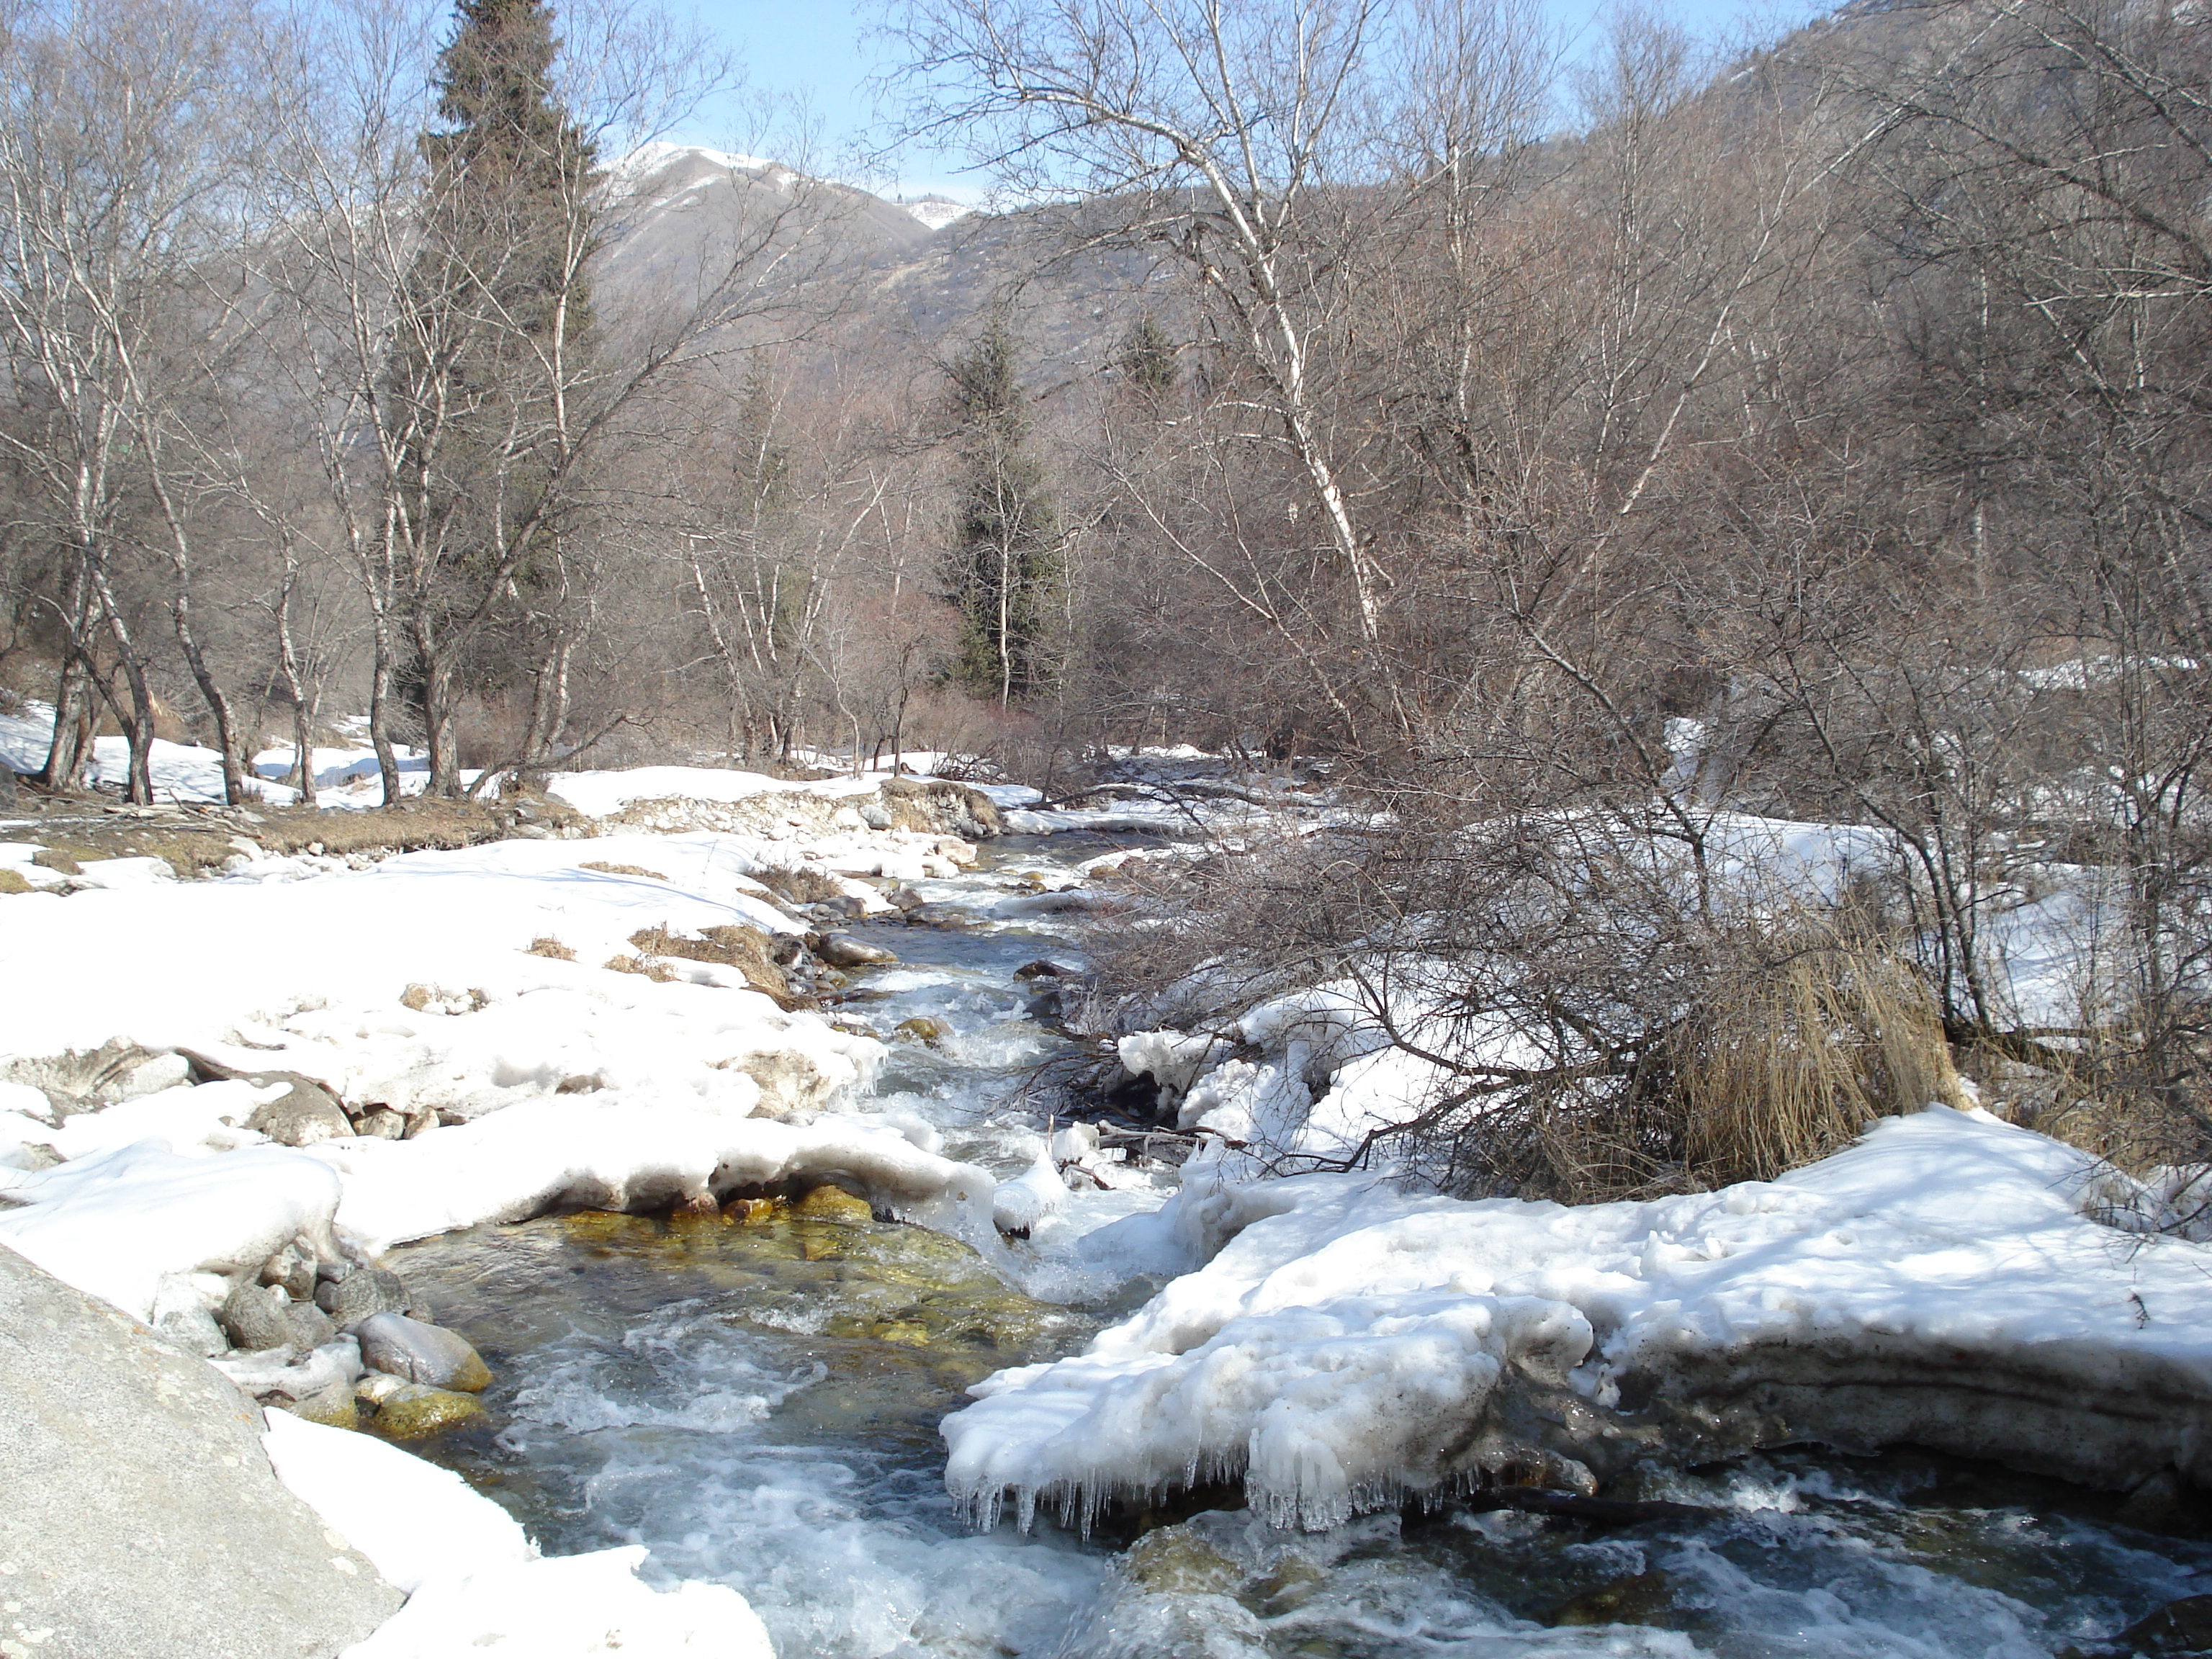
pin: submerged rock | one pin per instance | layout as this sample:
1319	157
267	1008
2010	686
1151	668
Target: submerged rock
828	1203
420	1352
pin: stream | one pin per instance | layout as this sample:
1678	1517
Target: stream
757	1402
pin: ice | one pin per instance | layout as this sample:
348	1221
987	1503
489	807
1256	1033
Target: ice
1937	1283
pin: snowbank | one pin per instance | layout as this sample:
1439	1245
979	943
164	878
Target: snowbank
117	1223
474	1582
632	1155
1343	1346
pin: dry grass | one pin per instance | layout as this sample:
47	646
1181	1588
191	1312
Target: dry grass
659	972
606	869
748	950
801	884
12	883
1787	1063
546	945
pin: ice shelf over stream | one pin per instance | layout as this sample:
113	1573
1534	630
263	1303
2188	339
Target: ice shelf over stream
1343	1346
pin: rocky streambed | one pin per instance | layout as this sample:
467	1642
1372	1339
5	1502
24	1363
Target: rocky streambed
754	1393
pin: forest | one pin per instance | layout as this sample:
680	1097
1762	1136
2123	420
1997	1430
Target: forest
1559	457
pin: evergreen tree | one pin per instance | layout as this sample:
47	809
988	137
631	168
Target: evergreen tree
498	338
1006	570
1146	359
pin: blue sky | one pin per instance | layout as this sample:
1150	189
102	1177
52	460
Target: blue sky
813	51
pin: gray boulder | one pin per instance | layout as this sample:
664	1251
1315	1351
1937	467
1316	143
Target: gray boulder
306	1113
430	1354
253	1317
310	1326
141	1516
361	1294
382	1123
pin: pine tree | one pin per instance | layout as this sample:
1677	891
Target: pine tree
1005	568
499	335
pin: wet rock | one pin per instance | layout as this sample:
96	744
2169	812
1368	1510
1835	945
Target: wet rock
420	1352
903	898
381	1123
252	1317
142	1519
335	1408
1041	969
305	1115
751	1212
828	1203
922	1029
843	950
413	1409
361	1294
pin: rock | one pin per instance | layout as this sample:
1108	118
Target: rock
828	1203
361	1294
876	816
142	1520
183	1320
843	950
413	1409
293	1269
381	1123
252	1317
311	1327
921	1029
903	898
11	799
1042	969
272	1372
306	1114
335	1406
148	1077
421	1120
419	1352
751	1212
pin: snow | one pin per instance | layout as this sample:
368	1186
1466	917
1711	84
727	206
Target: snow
568	1606
603	794
414	1521
1341	1344
630	1154
474	1582
115	1223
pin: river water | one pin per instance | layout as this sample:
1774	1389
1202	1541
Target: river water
759	1404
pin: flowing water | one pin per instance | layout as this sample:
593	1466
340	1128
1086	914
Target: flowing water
759	1403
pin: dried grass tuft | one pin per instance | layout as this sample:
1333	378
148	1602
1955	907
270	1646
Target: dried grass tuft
546	945
748	950
801	884
606	869
1787	1063
659	972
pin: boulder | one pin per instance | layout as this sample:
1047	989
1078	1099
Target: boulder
843	950
382	1123
304	1114
1041	969
143	1517
334	1407
310	1326
361	1294
921	1029
292	1267
419	1352
252	1318
412	1410
876	816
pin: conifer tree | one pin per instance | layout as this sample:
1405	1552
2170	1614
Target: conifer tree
498	340
1005	567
